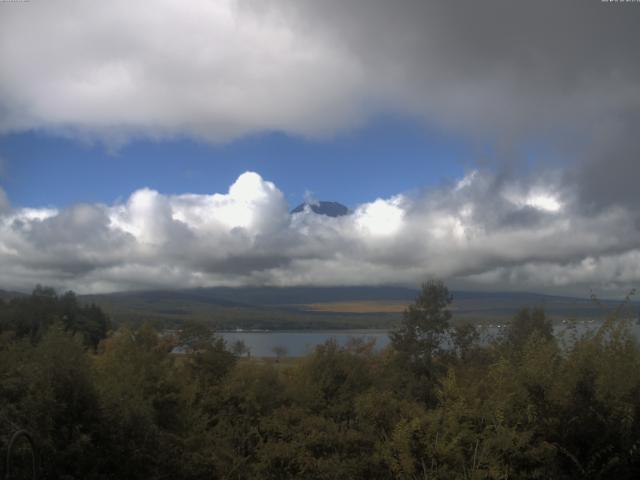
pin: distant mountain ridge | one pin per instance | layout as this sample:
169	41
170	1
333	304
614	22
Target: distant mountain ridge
322	307
8	294
330	209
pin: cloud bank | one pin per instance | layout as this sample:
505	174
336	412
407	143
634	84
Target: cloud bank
482	231
207	69
222	69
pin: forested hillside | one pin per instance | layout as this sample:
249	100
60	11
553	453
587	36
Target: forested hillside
117	404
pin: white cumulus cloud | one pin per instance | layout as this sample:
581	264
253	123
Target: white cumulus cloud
475	235
208	69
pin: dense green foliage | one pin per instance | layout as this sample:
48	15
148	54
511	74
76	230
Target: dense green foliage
30	317
524	406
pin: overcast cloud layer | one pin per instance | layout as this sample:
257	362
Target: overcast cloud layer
221	69
561	76
480	232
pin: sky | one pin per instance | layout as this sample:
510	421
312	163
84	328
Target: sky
386	156
491	144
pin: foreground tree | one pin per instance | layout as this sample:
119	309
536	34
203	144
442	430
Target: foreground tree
418	339
464	338
31	317
424	324
528	322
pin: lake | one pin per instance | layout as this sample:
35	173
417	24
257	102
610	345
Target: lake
301	342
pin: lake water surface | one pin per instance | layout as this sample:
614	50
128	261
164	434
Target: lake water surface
301	342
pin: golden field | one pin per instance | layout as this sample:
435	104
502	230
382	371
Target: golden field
359	306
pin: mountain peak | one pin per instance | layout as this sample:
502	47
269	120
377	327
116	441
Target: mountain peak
331	209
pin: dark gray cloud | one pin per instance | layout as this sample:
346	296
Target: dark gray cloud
611	168
494	65
4	202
